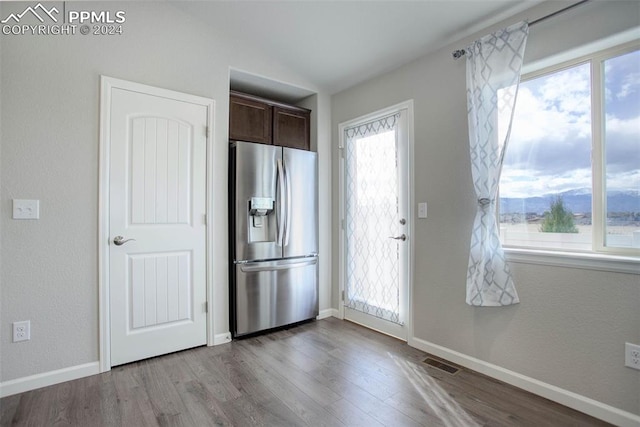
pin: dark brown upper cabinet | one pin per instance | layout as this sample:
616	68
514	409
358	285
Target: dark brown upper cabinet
291	127
261	120
250	120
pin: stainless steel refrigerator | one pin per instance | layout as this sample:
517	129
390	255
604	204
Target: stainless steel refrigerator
273	236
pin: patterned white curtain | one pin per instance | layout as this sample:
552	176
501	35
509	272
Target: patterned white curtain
371	217
493	73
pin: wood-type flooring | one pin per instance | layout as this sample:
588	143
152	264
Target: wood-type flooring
323	373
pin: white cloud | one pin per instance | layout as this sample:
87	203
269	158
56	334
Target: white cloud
624	181
556	107
550	147
531	183
629	127
629	86
622	76
568	91
535	119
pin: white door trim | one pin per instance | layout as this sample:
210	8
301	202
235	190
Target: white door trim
408	106
106	86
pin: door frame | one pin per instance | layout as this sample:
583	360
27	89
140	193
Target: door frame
106	86
408	106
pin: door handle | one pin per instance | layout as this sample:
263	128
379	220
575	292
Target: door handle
281	218
287	227
119	240
403	237
269	266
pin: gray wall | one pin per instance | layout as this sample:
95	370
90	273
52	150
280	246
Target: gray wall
571	325
320	106
49	143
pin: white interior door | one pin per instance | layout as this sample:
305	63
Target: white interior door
376	222
157	205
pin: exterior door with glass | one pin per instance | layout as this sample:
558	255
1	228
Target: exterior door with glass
376	221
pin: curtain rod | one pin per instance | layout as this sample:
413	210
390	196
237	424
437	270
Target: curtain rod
457	54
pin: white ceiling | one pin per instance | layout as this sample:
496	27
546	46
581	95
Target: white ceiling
337	44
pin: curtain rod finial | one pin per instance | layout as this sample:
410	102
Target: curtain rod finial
457	54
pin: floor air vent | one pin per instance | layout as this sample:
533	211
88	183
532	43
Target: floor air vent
441	365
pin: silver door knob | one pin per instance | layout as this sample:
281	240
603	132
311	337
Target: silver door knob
119	240
403	237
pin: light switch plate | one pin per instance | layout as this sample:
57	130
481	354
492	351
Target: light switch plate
422	210
26	209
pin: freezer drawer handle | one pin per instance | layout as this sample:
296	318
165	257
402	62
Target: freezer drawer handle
256	268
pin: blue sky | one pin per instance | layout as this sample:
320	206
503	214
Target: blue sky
550	147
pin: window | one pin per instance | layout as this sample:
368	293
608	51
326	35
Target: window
571	173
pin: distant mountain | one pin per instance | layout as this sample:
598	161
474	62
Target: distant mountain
577	201
623	201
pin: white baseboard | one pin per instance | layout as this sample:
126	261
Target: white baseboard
32	382
328	312
564	397
222	338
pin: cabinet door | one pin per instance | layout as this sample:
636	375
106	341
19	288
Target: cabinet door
249	120
291	128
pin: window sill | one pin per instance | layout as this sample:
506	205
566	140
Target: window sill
583	261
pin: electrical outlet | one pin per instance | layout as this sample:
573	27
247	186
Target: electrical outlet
21	331
632	355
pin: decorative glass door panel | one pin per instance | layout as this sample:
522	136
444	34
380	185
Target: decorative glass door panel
376	222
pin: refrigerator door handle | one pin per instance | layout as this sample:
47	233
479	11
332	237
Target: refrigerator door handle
281	189
287	226
271	266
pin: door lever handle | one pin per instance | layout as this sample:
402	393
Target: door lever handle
119	240
403	237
